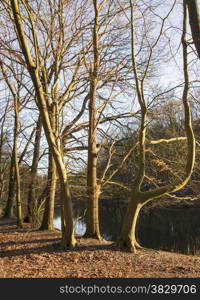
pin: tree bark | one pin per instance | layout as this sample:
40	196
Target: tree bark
32	205
47	221
3	166
127	237
92	186
17	175
194	20
8	212
92	229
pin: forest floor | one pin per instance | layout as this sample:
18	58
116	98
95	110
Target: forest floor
34	254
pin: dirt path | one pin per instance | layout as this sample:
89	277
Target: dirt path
34	254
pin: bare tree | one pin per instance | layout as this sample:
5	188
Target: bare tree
4	159
138	198
15	162
35	70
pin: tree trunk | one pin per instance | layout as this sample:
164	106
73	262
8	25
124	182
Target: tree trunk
138	199
92	186
8	213
47	221
17	175
127	237
194	20
92	221
2	186
68	238
2	161
31	189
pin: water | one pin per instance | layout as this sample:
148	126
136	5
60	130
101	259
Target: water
171	229
80	226
110	215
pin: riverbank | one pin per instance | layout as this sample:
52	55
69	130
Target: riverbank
33	254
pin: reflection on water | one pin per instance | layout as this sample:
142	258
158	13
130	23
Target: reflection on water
171	229
80	226
110	215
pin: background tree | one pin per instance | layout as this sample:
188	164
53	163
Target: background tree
31	205
15	95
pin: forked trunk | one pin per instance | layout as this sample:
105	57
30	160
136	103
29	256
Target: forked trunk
138	198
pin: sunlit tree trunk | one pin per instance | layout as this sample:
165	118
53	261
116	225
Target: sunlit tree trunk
68	239
127	237
47	221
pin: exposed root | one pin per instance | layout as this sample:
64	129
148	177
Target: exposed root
138	245
68	244
127	245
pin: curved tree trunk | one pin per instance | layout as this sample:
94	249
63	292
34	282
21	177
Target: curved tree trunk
138	199
68	238
127	237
